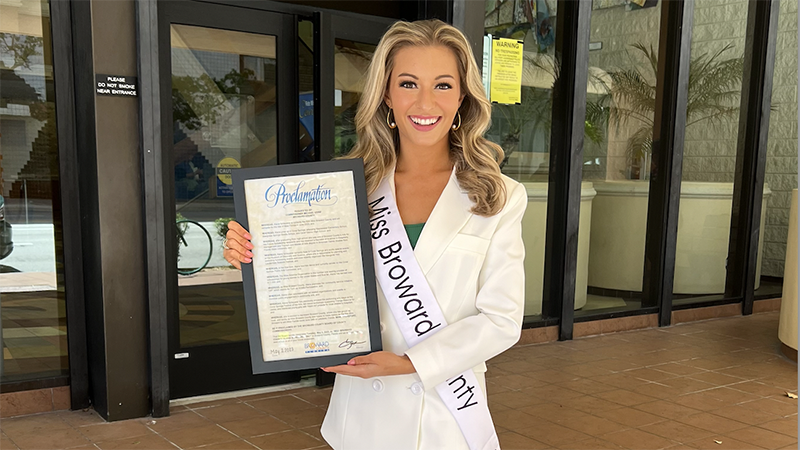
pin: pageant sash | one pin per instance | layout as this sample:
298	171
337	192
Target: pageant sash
418	315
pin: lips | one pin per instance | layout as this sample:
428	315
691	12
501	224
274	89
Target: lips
424	123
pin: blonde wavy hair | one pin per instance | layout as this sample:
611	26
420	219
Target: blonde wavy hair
476	159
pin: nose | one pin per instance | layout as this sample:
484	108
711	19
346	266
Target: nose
425	100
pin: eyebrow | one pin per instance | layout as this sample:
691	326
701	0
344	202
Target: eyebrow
404	74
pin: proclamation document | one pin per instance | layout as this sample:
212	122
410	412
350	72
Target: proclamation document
308	274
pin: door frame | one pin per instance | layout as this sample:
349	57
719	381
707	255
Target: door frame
329	27
158	202
233	371
154	19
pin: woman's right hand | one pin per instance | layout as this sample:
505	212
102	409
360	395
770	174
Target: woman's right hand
237	245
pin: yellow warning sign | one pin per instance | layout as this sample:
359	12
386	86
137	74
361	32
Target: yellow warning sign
224	170
506	80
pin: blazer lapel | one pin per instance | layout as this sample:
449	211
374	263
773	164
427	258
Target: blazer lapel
447	218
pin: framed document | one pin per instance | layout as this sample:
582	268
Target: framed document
310	291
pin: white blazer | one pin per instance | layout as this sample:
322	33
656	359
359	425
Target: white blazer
474	266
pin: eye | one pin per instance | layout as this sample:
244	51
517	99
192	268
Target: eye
444	86
408	84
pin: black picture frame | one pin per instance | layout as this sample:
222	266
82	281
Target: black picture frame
356	166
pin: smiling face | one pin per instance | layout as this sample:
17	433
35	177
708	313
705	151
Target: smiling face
424	93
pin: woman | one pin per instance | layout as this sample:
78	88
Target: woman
420	123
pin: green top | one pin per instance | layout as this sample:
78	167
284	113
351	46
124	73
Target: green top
413	231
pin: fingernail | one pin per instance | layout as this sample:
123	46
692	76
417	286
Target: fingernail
248	237
248	260
249	245
352	362
250	254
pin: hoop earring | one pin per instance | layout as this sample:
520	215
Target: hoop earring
456	127
391	124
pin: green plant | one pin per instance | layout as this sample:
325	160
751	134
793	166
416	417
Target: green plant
535	110
180	231
531	112
21	47
713	91
221	225
200	100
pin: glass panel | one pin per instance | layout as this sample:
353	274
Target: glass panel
617	153
709	153
781	173
523	131
351	60
224	114
34	327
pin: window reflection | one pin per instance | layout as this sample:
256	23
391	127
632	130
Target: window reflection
523	130
31	259
781	171
351	60
620	110
224	100
709	155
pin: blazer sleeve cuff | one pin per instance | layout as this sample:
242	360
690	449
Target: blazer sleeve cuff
425	371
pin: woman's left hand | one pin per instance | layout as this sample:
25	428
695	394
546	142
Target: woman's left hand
374	365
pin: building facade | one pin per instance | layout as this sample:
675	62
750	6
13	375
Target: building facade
657	141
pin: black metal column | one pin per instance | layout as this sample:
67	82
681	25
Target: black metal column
154	203
438	9
324	87
324	102
751	152
468	16
66	118
566	157
288	107
672	87
86	153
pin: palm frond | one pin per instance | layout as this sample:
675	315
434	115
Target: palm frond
649	53
597	113
632	96
714	89
713	93
592	132
640	144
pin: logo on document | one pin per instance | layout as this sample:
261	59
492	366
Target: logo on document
317	347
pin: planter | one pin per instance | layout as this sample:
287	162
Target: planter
619	225
534	224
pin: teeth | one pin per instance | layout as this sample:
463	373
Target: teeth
424	121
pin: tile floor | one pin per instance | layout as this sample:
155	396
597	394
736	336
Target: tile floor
718	384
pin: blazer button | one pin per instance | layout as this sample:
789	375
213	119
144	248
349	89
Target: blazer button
416	388
377	385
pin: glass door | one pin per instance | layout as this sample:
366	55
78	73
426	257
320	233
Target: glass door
233	102
347	45
351	61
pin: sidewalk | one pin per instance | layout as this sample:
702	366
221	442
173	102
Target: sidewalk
718	384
